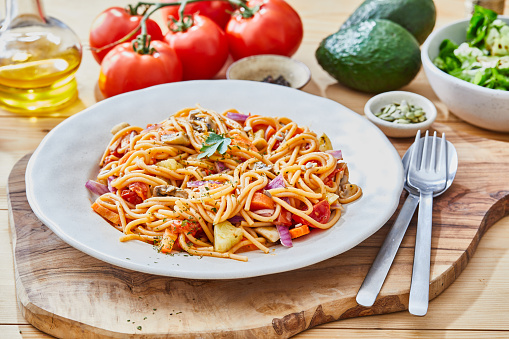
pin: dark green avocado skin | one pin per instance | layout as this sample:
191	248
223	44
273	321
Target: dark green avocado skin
417	16
373	56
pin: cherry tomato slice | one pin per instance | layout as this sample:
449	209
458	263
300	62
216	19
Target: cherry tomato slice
131	197
320	213
140	188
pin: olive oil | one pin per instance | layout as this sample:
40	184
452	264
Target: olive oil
39	57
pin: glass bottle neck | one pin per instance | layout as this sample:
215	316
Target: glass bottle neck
18	11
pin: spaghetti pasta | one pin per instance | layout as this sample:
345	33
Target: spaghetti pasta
217	185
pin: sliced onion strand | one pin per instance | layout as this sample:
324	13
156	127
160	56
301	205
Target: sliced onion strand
96	188
284	235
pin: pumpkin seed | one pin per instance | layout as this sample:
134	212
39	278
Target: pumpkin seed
401	113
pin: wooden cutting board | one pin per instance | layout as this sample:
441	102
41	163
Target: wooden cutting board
67	293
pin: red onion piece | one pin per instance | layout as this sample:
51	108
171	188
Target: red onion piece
149	128
236	219
220	166
277	182
337	154
265	212
132	135
193	184
284	235
111	188
96	188
238	117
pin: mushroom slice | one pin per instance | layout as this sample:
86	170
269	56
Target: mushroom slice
177	138
210	123
201	124
170	191
262	166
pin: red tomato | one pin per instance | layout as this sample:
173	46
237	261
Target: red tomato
275	28
140	188
321	213
115	23
202	48
276	145
284	218
130	196
124	70
218	11
136	193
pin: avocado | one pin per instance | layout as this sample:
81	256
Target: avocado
417	16
373	56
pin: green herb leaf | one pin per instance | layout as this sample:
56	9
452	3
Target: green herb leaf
479	23
446	59
213	143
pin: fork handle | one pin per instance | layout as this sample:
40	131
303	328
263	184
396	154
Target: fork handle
419	288
380	268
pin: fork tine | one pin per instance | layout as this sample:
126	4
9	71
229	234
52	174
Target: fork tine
432	160
424	156
442	163
414	156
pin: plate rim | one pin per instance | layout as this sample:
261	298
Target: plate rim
182	273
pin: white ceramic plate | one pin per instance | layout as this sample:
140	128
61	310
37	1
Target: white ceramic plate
68	156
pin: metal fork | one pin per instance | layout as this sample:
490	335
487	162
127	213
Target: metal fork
428	174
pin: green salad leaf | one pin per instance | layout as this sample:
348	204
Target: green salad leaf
479	23
446	59
484	59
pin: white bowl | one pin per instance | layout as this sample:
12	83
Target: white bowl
395	130
258	67
480	106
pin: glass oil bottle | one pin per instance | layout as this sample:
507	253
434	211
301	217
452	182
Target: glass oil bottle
39	57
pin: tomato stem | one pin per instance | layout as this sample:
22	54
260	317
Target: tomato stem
142	43
244	10
184	23
135	10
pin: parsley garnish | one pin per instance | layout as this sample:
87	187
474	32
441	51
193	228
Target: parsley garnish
214	142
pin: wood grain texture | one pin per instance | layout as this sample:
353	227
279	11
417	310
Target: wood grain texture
65	292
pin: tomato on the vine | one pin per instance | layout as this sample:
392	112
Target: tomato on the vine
124	69
112	25
267	27
218	11
202	47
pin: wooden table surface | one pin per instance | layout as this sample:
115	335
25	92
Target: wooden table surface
476	305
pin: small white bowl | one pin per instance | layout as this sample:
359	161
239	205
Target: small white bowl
395	130
258	67
477	105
